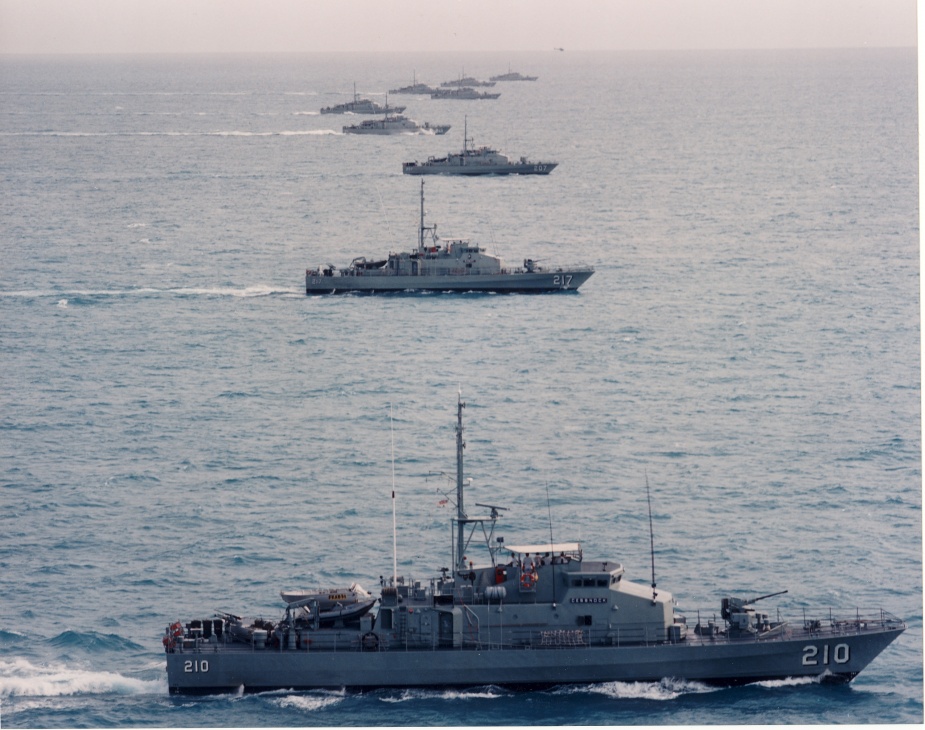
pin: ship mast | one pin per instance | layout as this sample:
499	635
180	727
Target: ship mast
421	228
465	138
462	519
460	511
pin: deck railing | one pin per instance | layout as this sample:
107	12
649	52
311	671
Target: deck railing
476	636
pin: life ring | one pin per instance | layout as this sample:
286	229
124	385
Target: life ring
527	581
369	641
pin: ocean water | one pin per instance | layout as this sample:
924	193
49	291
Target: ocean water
182	429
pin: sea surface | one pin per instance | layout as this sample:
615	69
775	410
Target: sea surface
183	430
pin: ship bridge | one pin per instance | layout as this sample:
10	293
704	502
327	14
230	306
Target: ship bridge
555	552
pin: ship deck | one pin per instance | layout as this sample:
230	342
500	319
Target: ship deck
532	638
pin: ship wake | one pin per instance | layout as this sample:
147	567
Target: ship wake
20	678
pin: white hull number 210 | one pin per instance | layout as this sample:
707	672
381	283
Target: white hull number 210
841	654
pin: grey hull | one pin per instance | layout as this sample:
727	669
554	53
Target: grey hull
724	662
532	168
536	615
522	283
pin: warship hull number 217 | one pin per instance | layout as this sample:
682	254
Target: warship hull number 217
444	265
525	615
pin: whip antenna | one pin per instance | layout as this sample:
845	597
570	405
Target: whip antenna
651	538
385	214
552	548
394	540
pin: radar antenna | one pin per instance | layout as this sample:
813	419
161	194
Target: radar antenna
494	509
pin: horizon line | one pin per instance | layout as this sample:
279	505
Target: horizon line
7	54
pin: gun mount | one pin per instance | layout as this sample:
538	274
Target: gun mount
742	618
738	605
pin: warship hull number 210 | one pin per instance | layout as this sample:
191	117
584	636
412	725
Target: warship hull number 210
527	616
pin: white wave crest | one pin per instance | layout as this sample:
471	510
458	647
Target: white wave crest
789	682
485	693
258	290
212	133
310	702
21	678
666	689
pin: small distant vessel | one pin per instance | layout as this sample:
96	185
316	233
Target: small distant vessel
395	124
477	161
532	614
415	88
466	92
362	106
443	265
513	76
467	81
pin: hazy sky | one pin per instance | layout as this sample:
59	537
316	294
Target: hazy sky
208	26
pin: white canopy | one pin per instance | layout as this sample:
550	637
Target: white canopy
555	547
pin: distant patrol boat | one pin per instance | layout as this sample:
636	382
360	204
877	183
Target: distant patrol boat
362	106
513	76
466	81
414	88
443	265
395	124
466	92
477	161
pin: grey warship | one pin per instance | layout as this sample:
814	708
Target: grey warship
526	616
463	92
466	81
444	265
414	88
474	161
362	106
513	76
395	124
